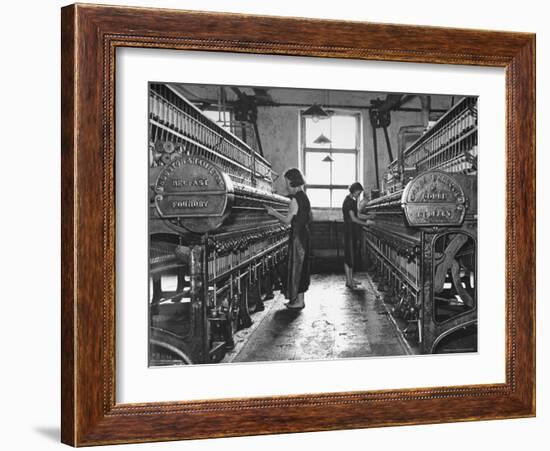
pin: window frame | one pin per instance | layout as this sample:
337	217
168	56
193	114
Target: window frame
227	111
357	151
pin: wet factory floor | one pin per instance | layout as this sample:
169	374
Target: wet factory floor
336	323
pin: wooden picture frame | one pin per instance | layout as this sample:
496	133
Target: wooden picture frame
90	36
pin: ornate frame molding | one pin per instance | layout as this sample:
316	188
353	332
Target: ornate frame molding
90	36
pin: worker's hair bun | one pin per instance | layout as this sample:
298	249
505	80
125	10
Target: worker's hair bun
295	177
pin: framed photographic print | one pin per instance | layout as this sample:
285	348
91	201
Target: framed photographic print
279	225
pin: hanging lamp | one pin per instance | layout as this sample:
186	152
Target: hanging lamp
322	139
315	112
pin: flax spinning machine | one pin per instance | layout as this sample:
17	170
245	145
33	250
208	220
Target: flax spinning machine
215	254
422	244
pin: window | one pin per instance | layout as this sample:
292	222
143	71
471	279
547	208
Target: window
330	167
222	118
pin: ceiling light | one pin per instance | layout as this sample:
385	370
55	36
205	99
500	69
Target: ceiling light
316	113
322	139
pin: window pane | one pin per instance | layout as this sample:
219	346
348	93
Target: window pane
343	168
168	282
343	132
314	130
222	118
319	197
317	171
338	196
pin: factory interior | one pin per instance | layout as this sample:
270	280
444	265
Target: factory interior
219	264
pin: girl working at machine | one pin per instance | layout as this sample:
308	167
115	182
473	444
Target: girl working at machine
299	217
352	219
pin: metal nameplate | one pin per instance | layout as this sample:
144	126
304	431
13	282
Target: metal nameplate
191	187
434	198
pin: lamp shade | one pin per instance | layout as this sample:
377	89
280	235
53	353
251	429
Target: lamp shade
315	112
322	139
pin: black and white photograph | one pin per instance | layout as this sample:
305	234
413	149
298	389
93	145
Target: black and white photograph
275	225
306	224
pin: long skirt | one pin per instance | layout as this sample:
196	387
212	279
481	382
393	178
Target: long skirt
298	270
351	249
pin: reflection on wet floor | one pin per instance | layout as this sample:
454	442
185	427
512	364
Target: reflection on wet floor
336	323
